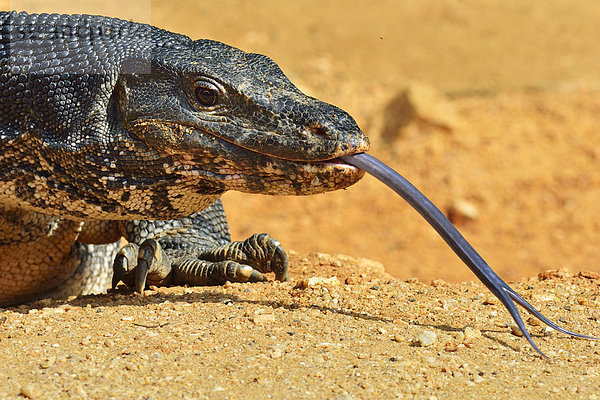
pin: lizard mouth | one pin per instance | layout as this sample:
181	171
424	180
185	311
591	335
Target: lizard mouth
263	173
218	163
336	162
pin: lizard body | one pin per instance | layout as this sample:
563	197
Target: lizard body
112	129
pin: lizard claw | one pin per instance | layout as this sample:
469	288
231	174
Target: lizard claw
153	266
125	262
137	265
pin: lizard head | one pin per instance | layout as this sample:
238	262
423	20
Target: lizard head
232	120
107	118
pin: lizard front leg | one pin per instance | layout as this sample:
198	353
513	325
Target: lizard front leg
196	251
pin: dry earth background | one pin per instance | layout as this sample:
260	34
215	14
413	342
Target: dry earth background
490	107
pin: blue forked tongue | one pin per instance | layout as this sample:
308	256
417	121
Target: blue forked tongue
456	241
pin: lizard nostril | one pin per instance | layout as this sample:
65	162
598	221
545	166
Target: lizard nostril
318	130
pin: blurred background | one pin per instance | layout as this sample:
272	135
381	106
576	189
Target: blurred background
491	108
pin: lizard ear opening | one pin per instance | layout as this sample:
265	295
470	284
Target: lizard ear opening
119	96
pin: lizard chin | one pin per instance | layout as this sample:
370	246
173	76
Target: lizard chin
299	178
263	174
275	175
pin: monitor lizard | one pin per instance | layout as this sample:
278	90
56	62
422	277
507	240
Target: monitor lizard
113	129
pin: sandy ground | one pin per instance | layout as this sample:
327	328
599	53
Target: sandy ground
490	108
360	335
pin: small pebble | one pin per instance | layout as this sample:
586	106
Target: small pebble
344	396
549	331
276	353
462	211
427	338
31	391
48	362
471	333
50	310
432	361
459	337
397	338
263	318
516	330
45	302
317	281
589	275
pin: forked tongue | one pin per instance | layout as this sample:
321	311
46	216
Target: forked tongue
456	241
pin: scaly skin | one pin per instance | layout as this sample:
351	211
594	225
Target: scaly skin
114	129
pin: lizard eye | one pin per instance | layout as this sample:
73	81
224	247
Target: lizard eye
207	96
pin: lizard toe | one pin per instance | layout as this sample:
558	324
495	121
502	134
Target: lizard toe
124	263
268	255
140	266
192	271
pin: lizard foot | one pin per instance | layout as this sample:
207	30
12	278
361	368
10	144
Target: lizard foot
137	266
260	251
244	261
